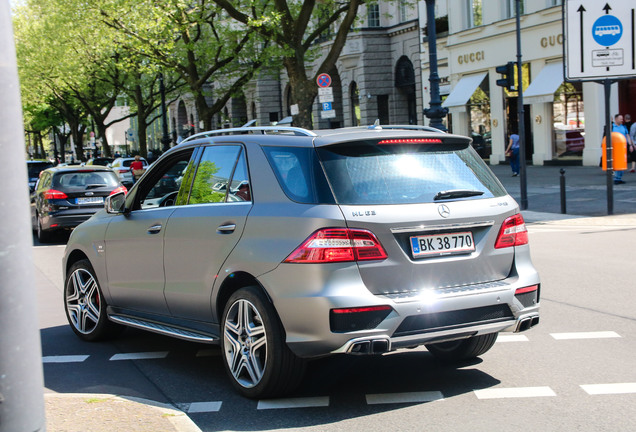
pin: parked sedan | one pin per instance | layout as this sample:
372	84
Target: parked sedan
121	166
65	197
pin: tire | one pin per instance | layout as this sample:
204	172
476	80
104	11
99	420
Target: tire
43	235
463	349
85	305
256	357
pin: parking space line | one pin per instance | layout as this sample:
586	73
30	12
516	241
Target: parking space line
512	338
64	359
605	389
202	407
585	335
410	397
140	356
519	392
308	402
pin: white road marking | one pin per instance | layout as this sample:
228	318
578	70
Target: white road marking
308	402
140	356
202	407
392	398
519	392
604	389
64	359
585	335
512	338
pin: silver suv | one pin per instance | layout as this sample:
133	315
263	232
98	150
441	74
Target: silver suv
282	244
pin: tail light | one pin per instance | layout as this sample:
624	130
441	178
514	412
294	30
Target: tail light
54	194
119	189
330	245
357	318
122	170
513	232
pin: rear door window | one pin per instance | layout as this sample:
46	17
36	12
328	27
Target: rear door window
372	173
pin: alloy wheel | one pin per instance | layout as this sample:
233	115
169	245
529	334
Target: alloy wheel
245	343
83	301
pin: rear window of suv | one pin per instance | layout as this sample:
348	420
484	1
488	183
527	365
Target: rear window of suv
368	172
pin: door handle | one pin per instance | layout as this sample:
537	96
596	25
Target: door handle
154	229
226	229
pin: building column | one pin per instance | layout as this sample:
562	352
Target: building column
594	99
498	121
541	124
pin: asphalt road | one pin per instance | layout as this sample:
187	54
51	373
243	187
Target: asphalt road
575	371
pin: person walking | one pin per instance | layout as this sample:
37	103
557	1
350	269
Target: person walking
137	168
631	150
513	152
619	127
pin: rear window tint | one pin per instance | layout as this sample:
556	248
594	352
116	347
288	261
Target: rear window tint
83	179
299	174
368	173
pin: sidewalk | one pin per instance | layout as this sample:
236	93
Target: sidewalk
586	202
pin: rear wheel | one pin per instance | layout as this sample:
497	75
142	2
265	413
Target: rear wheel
463	349
255	354
85	305
44	236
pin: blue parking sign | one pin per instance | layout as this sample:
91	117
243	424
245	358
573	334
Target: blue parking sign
326	106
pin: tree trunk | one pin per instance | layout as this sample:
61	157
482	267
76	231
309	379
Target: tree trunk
101	129
304	92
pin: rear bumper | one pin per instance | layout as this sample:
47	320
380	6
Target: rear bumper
67	219
415	318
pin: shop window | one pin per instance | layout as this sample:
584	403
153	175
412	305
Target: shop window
568	120
478	110
511	8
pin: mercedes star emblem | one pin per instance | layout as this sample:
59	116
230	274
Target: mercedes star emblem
443	210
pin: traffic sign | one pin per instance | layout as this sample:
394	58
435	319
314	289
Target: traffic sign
600	39
323	80
325	94
326	106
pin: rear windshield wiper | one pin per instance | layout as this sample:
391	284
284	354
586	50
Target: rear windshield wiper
456	193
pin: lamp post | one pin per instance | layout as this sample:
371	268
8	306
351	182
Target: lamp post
165	139
523	183
436	112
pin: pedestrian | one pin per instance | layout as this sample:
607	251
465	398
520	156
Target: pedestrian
619	127
631	150
512	151
137	168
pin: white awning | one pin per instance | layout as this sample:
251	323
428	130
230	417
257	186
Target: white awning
457	99
542	88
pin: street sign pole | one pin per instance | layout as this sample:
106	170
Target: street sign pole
523	183
607	84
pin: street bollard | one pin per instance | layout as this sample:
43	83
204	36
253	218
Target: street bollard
563	210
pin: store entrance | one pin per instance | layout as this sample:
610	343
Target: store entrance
513	125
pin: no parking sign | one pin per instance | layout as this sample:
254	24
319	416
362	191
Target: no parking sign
323	80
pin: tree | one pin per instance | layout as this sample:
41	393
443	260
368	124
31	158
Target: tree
296	27
191	40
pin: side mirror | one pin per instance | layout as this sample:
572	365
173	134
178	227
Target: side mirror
114	203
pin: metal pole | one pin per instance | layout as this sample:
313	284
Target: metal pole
436	112
520	112
21	376
607	84
165	139
562	184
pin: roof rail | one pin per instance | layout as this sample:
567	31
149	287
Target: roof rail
244	130
413	127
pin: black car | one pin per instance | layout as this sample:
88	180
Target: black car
35	168
66	196
103	161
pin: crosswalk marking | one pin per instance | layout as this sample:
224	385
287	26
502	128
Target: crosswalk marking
140	356
64	359
307	402
605	389
515	392
585	335
411	397
202	407
512	338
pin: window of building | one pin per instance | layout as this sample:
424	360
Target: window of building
474	13
404	11
511	8
373	15
556	2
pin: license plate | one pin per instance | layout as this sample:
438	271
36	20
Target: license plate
442	244
90	200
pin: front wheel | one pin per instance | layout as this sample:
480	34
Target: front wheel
463	349
85	305
255	354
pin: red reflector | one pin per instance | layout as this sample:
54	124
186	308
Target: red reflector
527	289
54	194
360	309
330	245
513	232
411	141
119	189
